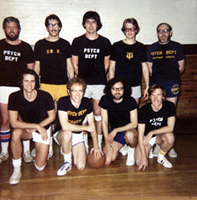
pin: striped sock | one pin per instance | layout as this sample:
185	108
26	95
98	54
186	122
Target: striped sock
161	154
5	136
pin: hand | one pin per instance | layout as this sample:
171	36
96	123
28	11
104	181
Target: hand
107	148
97	152
147	138
146	94
42	132
91	128
143	164
111	135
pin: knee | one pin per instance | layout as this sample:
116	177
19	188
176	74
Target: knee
132	138
66	136
16	135
40	167
81	166
170	138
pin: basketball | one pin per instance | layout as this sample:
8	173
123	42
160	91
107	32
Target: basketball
95	162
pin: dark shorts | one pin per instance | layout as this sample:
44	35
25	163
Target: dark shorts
120	137
173	88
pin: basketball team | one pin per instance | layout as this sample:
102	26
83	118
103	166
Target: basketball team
65	93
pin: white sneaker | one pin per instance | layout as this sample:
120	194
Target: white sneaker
27	157
130	156
16	176
66	167
3	157
151	154
124	150
172	153
164	162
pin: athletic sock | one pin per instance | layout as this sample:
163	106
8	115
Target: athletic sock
51	144
68	158
161	154
26	146
100	138
5	136
17	162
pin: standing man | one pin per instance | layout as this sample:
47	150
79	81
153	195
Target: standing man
72	110
119	112
36	109
15	56
166	62
53	61
90	57
155	125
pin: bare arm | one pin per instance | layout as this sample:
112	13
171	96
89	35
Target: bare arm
104	117
75	62
37	67
145	72
112	69
30	66
106	63
70	68
150	65
49	119
181	64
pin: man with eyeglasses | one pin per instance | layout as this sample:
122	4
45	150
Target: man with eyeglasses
166	62
15	56
90	57
72	111
53	62
119	120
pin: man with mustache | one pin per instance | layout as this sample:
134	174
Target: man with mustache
166	62
15	56
119	112
53	62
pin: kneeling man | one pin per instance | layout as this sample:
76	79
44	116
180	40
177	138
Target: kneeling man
155	126
36	111
72	110
119	111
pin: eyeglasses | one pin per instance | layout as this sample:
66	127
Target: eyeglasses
163	31
53	25
77	91
117	89
130	29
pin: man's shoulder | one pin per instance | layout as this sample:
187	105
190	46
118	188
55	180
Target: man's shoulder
168	104
153	45
44	94
81	37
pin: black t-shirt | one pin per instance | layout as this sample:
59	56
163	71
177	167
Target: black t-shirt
75	115
13	61
129	59
53	60
31	112
155	120
118	113
91	55
165	59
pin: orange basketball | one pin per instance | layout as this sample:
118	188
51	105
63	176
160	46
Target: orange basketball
95	162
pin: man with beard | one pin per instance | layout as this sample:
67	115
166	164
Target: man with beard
15	56
119	112
53	62
166	62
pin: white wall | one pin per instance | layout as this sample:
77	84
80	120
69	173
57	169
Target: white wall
181	14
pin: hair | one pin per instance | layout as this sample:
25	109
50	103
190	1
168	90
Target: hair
92	15
112	82
154	87
31	72
76	80
11	19
164	23
131	21
54	17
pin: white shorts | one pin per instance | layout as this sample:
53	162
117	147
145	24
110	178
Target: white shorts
152	141
76	138
5	93
94	91
136	92
37	137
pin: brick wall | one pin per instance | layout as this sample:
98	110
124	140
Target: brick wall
187	104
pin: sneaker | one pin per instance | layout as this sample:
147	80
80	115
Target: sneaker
164	162
172	153
130	157
3	157
27	157
124	150
156	150
16	176
66	167
151	153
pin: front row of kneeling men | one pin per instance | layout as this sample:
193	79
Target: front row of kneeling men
120	121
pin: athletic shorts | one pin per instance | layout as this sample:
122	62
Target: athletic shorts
5	92
56	91
37	137
136	92
152	141
94	91
120	137
76	138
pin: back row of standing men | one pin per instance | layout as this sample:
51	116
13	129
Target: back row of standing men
91	58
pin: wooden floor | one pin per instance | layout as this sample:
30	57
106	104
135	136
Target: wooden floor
116	181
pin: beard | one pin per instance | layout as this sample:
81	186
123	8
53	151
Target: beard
166	40
12	37
117	96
